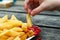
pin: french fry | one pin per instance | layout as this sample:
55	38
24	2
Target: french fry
4	19
15	23
24	27
1	26
17	38
17	29
10	38
9	33
29	21
4	37
3	33
7	25
30	33
13	18
12	33
23	37
4	26
21	33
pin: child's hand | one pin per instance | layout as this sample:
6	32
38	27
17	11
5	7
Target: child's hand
36	6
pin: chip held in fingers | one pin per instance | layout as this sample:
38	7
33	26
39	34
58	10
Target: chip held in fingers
14	29
29	21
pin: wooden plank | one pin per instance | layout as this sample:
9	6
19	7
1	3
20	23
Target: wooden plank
13	8
50	34
51	13
19	8
46	20
51	21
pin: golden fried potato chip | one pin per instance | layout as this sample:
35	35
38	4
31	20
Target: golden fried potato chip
17	38
15	23
23	37
21	33
4	19
3	33
24	27
12	33
13	18
30	33
17	29
10	38
29	21
4	37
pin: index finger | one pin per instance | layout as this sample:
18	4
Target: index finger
26	5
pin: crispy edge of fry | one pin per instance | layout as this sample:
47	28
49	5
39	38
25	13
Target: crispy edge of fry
10	38
23	37
13	18
3	33
17	29
17	38
4	37
5	17
24	27
29	21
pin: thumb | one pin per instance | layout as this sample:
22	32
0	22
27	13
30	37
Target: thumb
40	8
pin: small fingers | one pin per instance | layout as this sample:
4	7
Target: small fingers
29	10
38	9
42	7
26	5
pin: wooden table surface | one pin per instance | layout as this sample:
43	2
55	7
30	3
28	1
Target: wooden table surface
48	21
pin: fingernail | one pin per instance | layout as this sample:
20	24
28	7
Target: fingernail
29	11
32	14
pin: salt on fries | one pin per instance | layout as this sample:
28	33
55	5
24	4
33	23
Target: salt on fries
14	29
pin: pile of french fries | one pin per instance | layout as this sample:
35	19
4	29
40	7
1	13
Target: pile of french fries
14	29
